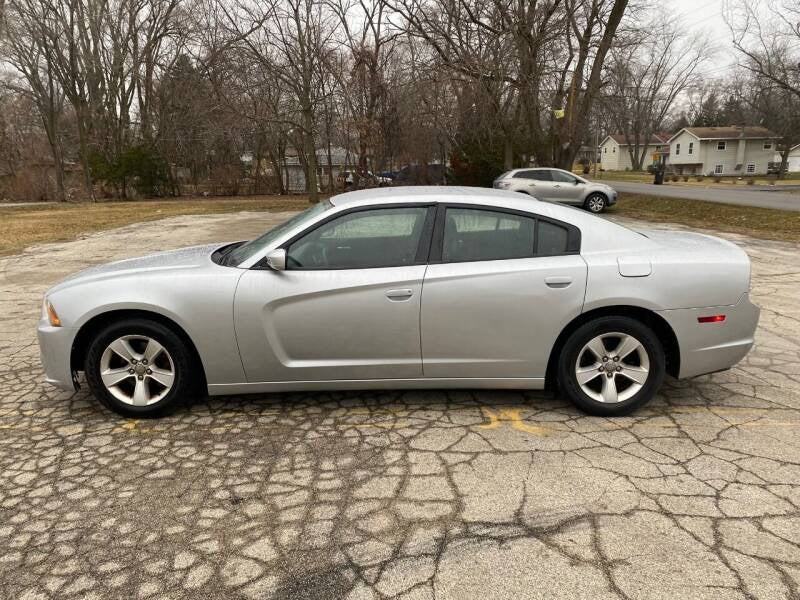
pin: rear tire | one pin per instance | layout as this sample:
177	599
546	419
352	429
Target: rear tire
626	376
596	203
140	368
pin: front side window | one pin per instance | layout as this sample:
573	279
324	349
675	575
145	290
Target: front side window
561	177
385	237
722	145
473	235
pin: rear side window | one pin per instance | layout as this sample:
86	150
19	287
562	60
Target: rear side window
473	235
553	239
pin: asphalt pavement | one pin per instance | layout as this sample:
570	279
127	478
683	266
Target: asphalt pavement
416	494
759	197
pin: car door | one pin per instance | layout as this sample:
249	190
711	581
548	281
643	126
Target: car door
566	187
499	289
536	182
346	306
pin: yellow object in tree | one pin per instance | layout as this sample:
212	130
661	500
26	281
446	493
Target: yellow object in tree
559	113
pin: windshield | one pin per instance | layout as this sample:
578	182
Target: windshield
248	249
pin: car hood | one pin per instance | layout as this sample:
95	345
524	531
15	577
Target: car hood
184	258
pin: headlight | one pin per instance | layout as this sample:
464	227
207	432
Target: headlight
52	315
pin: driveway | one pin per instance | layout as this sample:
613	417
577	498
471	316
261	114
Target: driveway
784	200
418	494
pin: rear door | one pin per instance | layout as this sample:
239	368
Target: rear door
536	182
500	287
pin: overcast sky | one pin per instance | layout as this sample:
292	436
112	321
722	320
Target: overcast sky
706	16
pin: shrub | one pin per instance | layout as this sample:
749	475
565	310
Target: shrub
140	166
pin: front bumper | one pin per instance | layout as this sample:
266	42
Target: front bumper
709	347
55	347
612	198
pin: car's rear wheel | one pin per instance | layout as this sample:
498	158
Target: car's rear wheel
595	203
139	368
611	366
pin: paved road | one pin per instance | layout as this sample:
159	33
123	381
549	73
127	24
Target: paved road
741	196
359	495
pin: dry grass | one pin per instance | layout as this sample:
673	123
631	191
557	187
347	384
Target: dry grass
762	223
21	226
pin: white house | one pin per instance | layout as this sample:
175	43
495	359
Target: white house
793	162
721	150
615	154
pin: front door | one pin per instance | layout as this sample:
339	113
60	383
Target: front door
566	188
347	305
505	287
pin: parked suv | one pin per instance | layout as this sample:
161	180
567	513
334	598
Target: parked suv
557	185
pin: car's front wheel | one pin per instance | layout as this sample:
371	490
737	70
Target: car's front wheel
595	203
139	368
611	366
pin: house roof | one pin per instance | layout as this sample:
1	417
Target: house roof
729	133
655	139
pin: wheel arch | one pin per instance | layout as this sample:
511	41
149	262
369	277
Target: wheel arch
650	318
97	323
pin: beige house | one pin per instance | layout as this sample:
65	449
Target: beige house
721	150
615	154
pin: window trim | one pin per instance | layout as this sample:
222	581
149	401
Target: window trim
437	243
721	170
747	168
767	146
423	248
724	144
677	148
690	149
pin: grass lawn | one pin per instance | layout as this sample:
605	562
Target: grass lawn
21	226
765	223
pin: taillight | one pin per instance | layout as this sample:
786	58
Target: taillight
711	319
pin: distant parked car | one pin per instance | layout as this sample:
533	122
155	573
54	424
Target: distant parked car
348	179
432	174
557	185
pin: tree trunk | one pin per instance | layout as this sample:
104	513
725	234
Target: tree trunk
312	185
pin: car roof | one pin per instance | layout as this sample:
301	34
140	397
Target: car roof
597	232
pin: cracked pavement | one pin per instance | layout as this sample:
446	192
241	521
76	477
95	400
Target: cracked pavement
412	494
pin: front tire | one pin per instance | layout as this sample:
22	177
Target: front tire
611	366
139	368
596	203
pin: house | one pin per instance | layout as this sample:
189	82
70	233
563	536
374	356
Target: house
734	150
793	162
293	172
615	154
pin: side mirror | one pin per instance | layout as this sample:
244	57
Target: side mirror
277	259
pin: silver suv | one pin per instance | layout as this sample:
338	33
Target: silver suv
557	185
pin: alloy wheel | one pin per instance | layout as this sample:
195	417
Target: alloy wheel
596	204
137	370
612	367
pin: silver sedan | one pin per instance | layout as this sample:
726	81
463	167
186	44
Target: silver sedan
557	185
407	288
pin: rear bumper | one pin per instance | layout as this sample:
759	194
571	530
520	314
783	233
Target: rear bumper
55	347
709	347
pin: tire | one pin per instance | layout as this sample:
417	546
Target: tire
145	388
596	203
623	392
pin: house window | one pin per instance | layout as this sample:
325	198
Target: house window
677	149
767	145
605	150
691	147
722	145
614	149
718	169
751	168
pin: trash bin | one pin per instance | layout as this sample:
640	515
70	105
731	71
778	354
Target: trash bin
658	178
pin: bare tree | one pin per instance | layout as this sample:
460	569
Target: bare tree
645	77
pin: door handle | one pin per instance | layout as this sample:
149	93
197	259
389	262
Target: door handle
558	281
399	295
